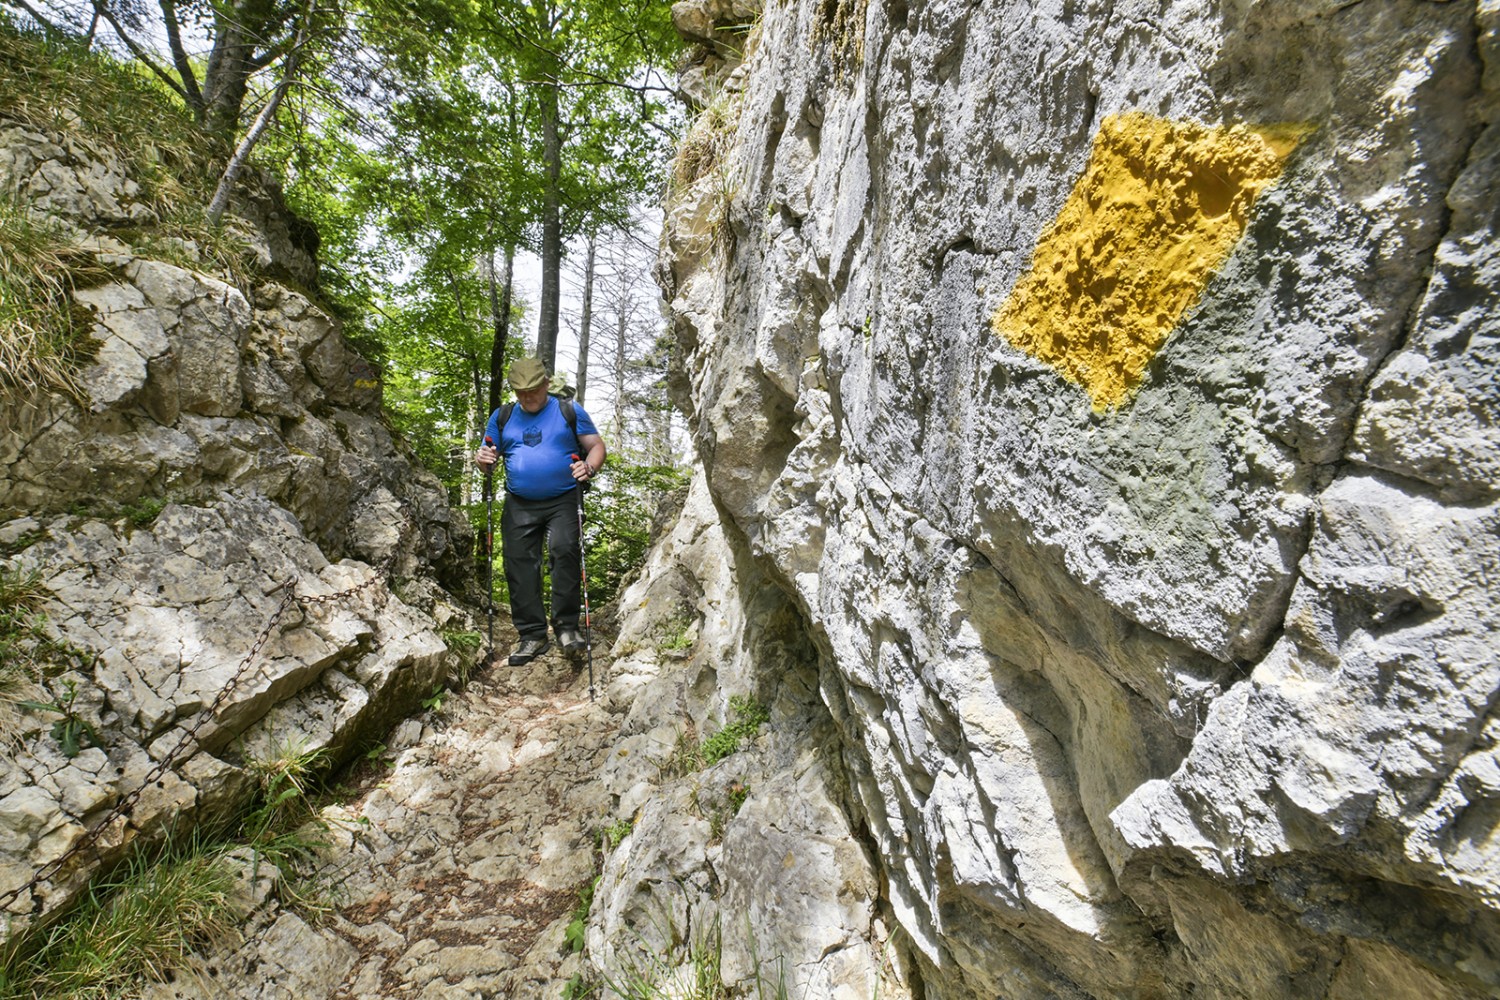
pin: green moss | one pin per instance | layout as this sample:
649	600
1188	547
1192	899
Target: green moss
841	23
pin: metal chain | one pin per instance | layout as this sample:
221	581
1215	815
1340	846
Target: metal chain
181	751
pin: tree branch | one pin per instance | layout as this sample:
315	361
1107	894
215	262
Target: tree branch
102	8
191	93
220	200
52	30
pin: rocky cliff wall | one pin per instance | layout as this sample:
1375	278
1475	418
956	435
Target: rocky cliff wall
188	521
1107	393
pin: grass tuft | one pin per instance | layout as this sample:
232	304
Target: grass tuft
708	139
142	923
43	339
96	105
27	655
749	715
137	925
101	103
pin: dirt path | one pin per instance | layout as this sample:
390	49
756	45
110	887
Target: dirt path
456	869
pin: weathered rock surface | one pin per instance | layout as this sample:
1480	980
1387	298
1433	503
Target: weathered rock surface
230	447
1191	693
752	862
454	873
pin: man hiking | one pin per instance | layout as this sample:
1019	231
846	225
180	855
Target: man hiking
547	461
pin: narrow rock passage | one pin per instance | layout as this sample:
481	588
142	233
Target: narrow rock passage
464	865
455	871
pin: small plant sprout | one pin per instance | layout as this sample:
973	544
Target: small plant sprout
749	715
616	832
464	642
70	728
677	633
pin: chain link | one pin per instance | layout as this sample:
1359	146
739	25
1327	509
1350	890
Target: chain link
181	752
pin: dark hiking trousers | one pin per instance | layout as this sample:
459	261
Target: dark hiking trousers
525	525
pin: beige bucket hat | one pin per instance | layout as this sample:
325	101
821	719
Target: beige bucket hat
527	373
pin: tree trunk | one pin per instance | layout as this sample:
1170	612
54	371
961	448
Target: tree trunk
500	319
220	200
249	35
191	93
227	77
551	298
476	371
586	322
620	331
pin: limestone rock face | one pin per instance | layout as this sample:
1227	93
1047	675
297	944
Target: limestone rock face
1141	505
752	859
64	176
211	532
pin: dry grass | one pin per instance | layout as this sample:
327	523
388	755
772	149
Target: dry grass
708	139
21	595
42	340
97	103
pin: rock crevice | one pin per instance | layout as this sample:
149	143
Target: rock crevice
1219	657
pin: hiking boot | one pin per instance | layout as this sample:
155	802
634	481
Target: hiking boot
528	650
569	640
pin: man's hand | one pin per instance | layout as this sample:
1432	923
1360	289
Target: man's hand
581	470
486	457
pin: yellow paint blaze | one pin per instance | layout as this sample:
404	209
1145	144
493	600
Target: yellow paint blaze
1155	214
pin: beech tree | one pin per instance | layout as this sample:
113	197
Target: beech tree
242	37
594	69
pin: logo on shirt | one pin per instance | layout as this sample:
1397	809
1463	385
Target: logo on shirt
532	437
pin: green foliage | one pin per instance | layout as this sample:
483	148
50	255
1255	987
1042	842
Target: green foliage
676	632
42	343
282	776
749	715
144	510
70	729
616	832
434	701
577	929
464	641
136	925
619	513
28	657
579	987
141	923
685	758
651	975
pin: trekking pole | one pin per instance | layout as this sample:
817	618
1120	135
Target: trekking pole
583	579
489	553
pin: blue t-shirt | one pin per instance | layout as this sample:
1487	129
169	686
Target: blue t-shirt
538	448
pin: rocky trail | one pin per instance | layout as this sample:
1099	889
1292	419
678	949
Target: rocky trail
455	869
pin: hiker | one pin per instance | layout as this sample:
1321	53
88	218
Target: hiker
547	463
